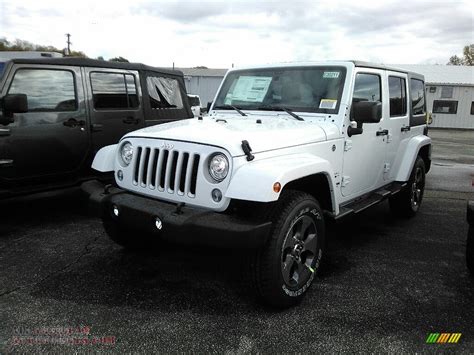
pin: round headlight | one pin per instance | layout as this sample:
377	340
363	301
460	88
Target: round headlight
218	167
126	152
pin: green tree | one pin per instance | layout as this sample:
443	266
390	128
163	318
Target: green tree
119	59
467	59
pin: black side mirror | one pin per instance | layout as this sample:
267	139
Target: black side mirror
208	106
15	103
366	111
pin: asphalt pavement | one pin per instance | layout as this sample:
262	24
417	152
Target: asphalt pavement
384	286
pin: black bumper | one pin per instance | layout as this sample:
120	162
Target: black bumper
185	225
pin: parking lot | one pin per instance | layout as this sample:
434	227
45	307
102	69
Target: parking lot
385	284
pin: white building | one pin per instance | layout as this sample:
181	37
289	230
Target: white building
449	93
203	82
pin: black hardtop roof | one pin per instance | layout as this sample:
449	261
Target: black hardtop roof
362	64
86	62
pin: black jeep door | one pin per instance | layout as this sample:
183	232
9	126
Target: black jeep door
115	107
51	139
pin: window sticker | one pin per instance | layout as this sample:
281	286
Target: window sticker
329	104
331	75
251	88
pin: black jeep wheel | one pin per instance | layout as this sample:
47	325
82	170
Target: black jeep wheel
407	202
285	268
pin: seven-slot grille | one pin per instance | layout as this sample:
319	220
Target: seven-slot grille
167	170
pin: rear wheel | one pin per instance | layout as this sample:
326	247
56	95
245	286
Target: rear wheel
407	202
285	268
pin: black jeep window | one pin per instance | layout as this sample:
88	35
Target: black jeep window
112	91
367	87
46	90
164	92
417	88
472	108
398	96
445	106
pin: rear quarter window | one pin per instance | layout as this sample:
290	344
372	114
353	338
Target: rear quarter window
417	89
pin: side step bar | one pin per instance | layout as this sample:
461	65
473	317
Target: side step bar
369	200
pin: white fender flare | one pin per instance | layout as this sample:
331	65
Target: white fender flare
104	160
413	148
254	181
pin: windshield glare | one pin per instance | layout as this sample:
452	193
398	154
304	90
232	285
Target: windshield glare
305	89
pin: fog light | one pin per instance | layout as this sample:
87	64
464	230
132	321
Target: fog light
216	195
120	175
158	223
115	210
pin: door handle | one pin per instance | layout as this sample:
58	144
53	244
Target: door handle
382	132
130	120
72	122
405	129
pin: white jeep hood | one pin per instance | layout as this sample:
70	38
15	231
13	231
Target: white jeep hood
273	133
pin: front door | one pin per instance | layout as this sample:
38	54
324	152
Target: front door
115	107
51	139
364	154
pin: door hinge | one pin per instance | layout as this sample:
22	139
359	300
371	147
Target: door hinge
345	181
347	145
386	167
389	137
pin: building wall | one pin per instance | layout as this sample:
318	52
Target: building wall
464	95
204	86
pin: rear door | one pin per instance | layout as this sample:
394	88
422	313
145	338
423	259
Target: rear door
115	104
51	139
397	123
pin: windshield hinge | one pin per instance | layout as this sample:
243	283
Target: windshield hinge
347	145
247	150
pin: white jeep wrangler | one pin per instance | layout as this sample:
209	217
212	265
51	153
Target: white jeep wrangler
284	148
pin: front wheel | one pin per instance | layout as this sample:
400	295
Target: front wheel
285	268
408	201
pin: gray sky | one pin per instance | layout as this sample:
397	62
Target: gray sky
219	33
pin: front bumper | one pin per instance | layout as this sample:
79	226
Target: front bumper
183	225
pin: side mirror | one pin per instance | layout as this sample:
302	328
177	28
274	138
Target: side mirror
366	111
209	104
13	103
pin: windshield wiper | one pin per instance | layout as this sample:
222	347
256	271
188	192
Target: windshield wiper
227	107
280	108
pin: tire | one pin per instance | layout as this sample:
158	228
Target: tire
408	201
128	238
283	270
470	250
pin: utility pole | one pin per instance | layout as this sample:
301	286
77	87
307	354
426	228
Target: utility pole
68	35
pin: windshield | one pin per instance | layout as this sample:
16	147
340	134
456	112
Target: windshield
305	89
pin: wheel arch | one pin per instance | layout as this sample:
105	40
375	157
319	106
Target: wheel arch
417	146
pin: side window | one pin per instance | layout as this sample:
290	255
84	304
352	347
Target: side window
164	92
445	106
472	108
398	96
417	89
367	87
112	91
47	90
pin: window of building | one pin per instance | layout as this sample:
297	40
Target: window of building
46	90
445	106
447	92
417	96
367	87
398	96
472	108
432	89
164	92
112	91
